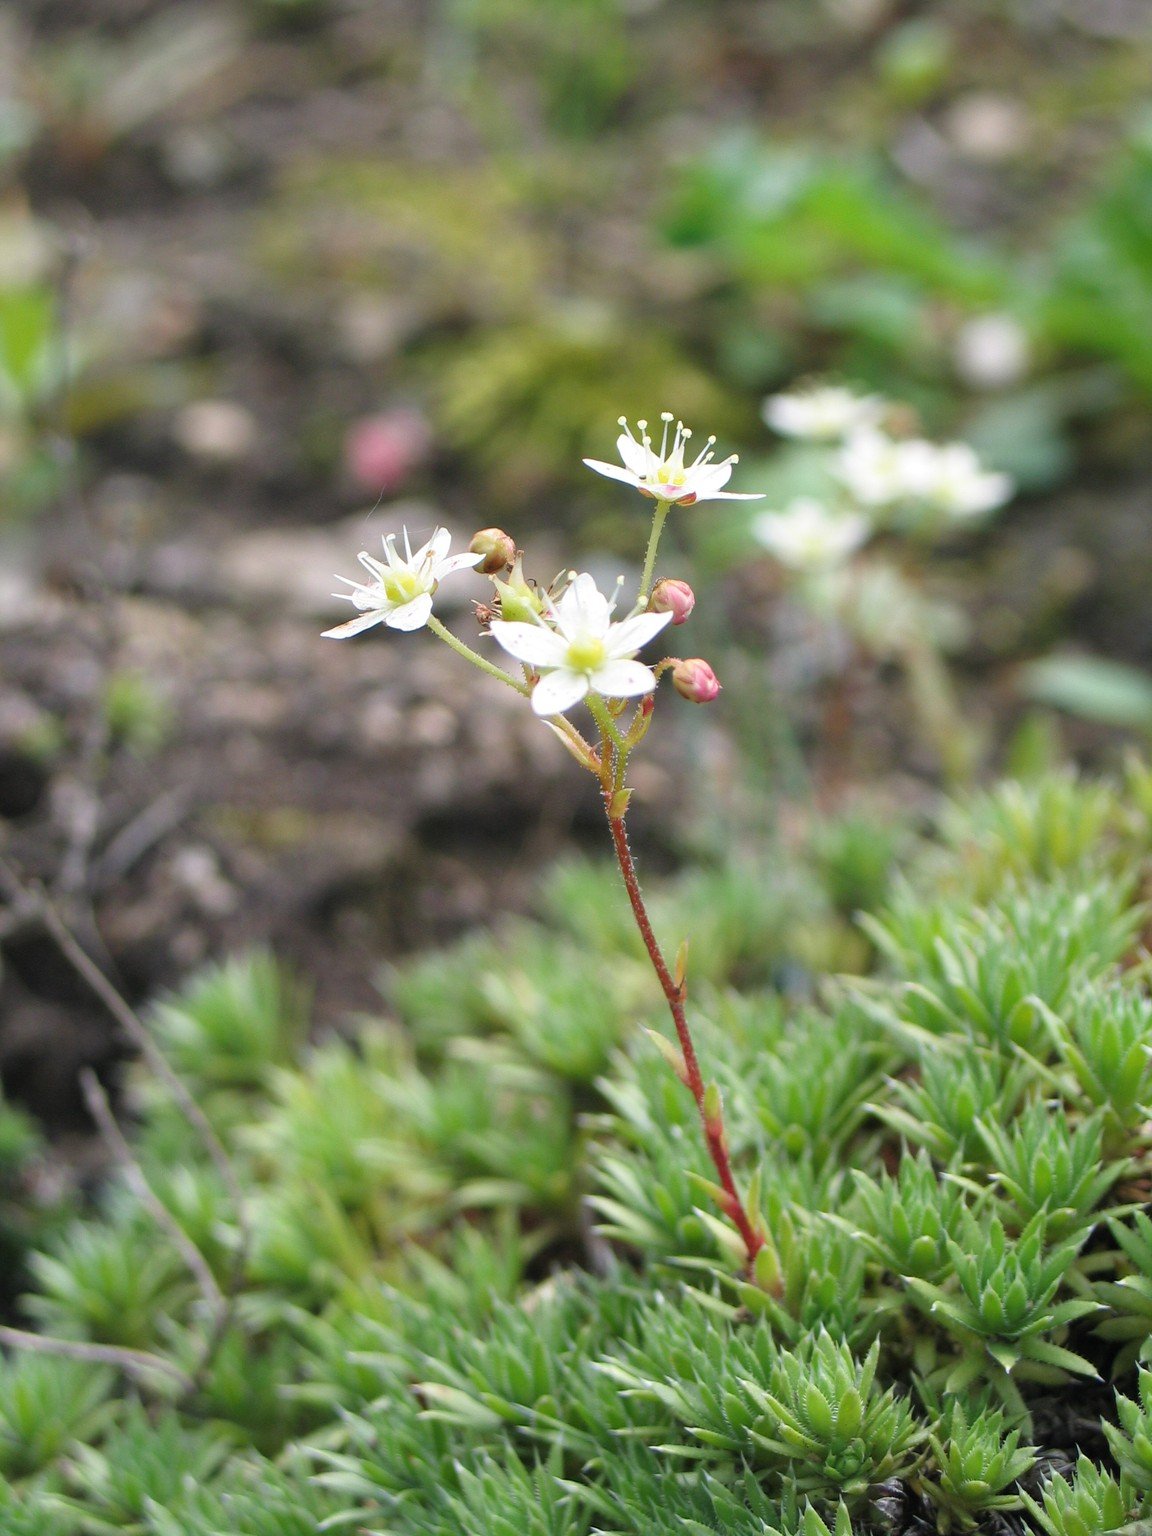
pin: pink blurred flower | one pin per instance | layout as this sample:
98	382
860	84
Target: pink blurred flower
380	452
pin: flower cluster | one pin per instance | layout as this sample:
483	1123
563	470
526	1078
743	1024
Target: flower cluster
568	641
881	471
880	480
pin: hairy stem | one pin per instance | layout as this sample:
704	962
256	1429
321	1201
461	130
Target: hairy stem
674	994
658	518
445	634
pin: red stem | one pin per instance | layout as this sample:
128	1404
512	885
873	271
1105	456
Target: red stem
674	994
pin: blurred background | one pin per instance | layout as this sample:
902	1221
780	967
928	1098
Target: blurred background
277	276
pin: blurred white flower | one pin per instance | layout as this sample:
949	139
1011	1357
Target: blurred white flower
823	414
879	470
664	476
992	352
951	479
580	650
808	536
399	593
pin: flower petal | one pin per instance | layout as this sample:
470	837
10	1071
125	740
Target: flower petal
731	496
558	691
464	562
532	643
613	471
629	636
353	626
413	614
633	455
709	478
433	549
623	679
584	609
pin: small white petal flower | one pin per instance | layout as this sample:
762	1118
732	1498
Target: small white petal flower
401	587
992	352
880	471
824	414
953	481
809	536
949	478
580	650
664	476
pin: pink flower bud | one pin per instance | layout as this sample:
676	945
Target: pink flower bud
695	681
670	595
496	549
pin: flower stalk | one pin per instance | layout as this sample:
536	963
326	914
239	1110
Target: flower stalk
659	517
675	990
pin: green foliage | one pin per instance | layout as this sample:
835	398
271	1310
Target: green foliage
46	1403
1131	1440
832	1426
145	1465
979	1458
794	216
1098	302
1091	1504
905	1220
486	1284
1053	825
1047	1167
956	1093
1130	1296
1105	1041
256	1498
238	1021
112	1284
1106	691
854	856
577	53
137	714
523	400
1001	1311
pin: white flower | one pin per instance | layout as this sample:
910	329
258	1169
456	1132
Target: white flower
664	476
823	414
992	352
807	535
880	470
400	591
953	481
582	651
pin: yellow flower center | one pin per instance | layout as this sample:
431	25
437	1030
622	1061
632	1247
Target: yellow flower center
403	586
586	654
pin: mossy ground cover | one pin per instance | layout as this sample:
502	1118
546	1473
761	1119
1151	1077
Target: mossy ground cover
476	1282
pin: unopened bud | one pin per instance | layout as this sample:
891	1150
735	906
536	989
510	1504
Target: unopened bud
495	548
673	596
695	681
520	602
